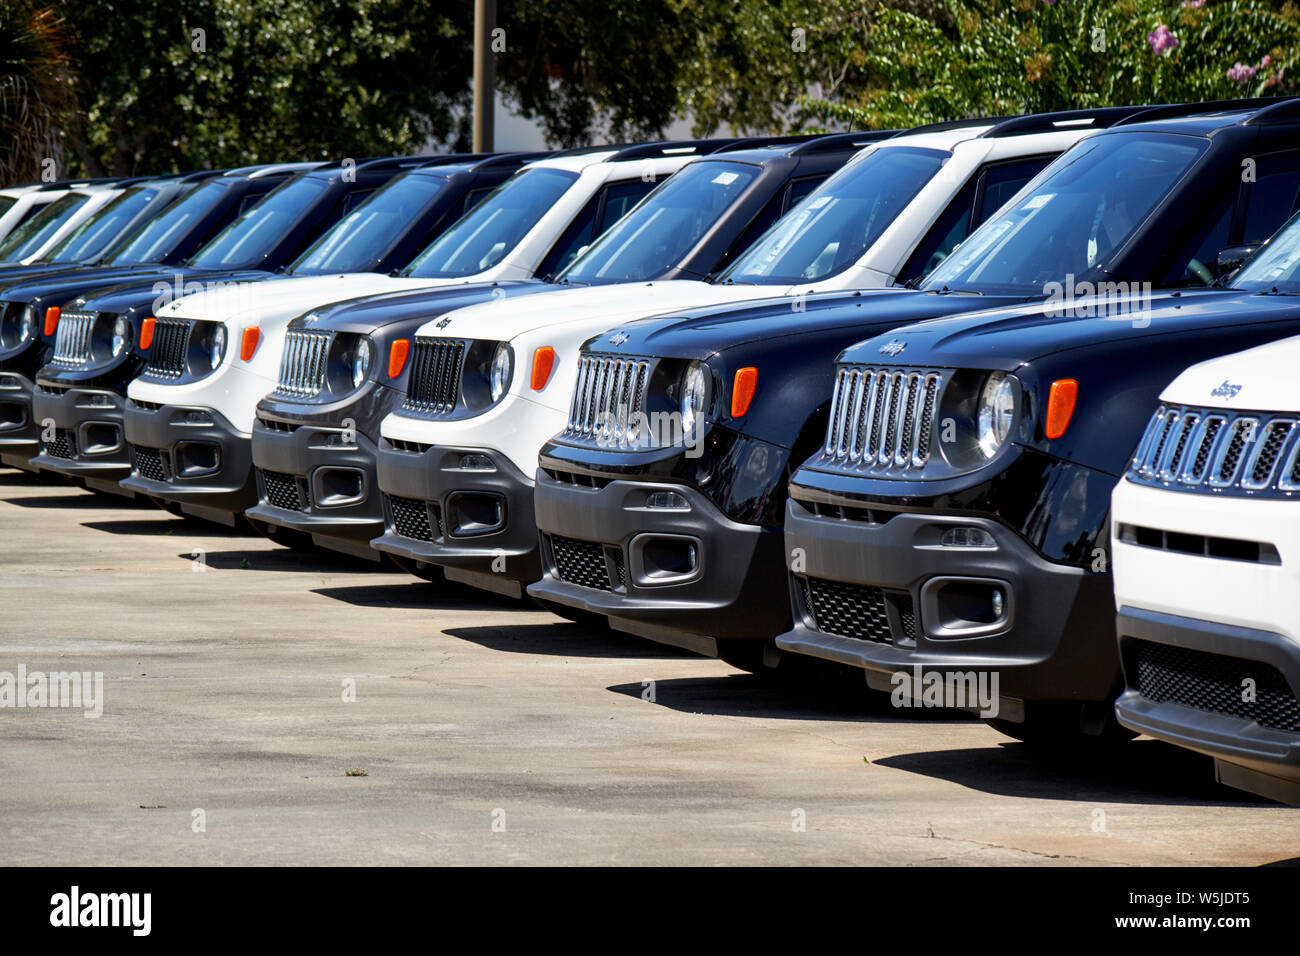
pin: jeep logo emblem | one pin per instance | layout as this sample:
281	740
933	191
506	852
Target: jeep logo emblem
893	347
1226	390
618	338
442	323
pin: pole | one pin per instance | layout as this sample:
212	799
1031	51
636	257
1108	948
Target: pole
485	21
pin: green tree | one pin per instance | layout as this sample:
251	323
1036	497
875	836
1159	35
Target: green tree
33	88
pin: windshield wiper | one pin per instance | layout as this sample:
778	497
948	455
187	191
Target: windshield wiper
947	291
1276	291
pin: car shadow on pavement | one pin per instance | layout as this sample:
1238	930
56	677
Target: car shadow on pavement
165	525
813	693
74	498
1144	771
32	478
566	639
283	559
414	593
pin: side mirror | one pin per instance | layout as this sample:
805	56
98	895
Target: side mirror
1229	260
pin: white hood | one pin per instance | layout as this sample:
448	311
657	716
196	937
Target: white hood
1259	379
612	305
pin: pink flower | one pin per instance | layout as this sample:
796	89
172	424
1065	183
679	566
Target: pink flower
1266	61
1240	73
1193	4
1162	40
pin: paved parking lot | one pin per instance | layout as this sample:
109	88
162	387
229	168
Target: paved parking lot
491	733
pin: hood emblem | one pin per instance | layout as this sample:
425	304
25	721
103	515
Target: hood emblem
618	338
893	347
442	323
1226	390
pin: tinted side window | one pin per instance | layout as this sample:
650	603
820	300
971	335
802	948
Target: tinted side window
798	189
979	199
1196	264
354	199
605	208
1272	197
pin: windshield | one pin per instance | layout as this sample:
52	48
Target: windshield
665	225
1276	267
247	241
6	203
1070	218
157	237
364	236
102	227
35	232
487	233
839	220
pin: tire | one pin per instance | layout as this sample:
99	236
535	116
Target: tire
1059	727
425	572
745	654
577	616
285	537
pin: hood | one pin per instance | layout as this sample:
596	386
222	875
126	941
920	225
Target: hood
616	303
259	302
700	333
148	294
1008	337
56	288
371	313
1259	379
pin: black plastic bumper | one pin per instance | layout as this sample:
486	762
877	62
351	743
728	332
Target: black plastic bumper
479	520
731	585
86	435
1250	756
312	480
192	456
20	432
1051	641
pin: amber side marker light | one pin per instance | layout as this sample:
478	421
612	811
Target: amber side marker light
743	387
248	346
543	363
51	319
1060	406
397	353
146	334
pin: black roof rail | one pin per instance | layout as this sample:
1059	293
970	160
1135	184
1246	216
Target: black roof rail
510	159
669	147
1175	110
584	150
199	175
958	124
1101	118
1286	109
758	142
394	162
833	141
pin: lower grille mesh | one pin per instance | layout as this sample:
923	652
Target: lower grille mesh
1214	682
148	463
282	490
580	562
410	517
62	445
858	611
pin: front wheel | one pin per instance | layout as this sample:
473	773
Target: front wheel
1063	726
750	654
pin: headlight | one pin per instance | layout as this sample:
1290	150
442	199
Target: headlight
28	323
499	376
121	335
361	361
997	412
692	400
217	347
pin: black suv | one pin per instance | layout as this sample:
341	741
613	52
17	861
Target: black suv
956	518
690	549
390	207
311	481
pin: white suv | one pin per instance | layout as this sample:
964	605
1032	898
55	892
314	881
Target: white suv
456	468
523	228
1206	550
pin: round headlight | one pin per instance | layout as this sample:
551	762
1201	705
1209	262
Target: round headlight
692	400
361	361
121	335
997	412
499	378
28	323
217	347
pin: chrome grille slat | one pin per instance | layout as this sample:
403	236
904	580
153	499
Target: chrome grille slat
303	362
882	418
72	342
433	385
608	398
1213	450
171	341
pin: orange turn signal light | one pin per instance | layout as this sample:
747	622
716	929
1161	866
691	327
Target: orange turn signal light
146	334
252	335
543	363
1060	406
742	390
397	353
51	320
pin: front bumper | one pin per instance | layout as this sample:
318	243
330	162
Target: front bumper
476	523
190	455
881	593
86	436
1186	684
20	432
311	480
686	576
